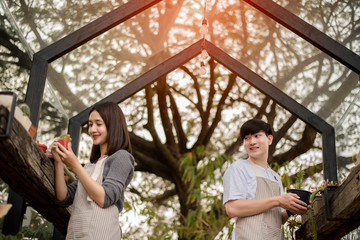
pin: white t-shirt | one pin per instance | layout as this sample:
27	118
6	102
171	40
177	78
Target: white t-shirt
239	180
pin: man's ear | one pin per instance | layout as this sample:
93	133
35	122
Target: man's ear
270	137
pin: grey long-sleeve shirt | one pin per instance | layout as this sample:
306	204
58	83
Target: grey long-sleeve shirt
117	174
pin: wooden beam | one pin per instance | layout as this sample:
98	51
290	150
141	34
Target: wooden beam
134	86
95	28
281	98
38	73
36	86
344	207
26	169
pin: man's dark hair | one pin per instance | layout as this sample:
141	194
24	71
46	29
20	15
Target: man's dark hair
253	126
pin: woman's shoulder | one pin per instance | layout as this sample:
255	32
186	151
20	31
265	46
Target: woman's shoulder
121	155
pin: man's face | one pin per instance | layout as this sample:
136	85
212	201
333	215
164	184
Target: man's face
257	145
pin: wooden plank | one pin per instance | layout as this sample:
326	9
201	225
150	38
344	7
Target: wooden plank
26	169
344	207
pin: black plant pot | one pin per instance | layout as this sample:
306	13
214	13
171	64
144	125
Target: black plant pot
303	194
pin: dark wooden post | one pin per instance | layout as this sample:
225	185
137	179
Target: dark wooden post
13	220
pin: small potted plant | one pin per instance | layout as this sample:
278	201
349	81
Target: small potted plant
64	140
303	194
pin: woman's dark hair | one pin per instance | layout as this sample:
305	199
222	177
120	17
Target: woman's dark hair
117	133
253	126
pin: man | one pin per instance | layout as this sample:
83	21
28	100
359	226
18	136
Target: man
253	192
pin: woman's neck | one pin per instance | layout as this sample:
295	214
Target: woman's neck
103	151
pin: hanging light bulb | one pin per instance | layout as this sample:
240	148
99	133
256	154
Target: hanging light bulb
204	54
204	27
202	68
203	31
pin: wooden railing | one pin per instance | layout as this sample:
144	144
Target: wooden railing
26	169
344	210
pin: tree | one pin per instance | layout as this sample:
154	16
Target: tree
185	127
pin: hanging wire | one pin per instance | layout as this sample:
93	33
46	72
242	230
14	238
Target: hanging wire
203	31
204	23
348	110
16	28
205	9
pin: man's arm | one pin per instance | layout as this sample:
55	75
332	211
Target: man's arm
245	208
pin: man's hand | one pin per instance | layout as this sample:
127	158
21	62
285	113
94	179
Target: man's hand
292	202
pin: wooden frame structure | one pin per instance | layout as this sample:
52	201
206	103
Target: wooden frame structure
320	40
56	50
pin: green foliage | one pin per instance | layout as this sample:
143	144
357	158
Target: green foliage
286	178
65	136
39	228
154	219
202	170
299	178
18	236
25	109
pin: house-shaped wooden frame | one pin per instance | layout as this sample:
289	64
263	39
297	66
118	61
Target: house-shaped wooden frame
70	42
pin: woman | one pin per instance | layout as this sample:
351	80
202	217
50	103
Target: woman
97	196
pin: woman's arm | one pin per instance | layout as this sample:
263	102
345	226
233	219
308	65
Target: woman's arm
118	172
95	191
60	184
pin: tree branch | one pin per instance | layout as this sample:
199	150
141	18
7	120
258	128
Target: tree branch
305	143
182	139
150	126
199	104
219	109
162	92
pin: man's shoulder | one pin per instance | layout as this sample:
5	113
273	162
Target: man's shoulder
239	165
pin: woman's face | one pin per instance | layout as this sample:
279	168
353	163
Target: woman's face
97	129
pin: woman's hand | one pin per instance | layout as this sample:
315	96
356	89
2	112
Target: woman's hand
66	156
55	153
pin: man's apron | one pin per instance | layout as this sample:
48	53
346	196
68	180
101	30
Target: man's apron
88	221
266	225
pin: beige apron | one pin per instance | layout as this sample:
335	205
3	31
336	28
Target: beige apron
266	225
88	221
